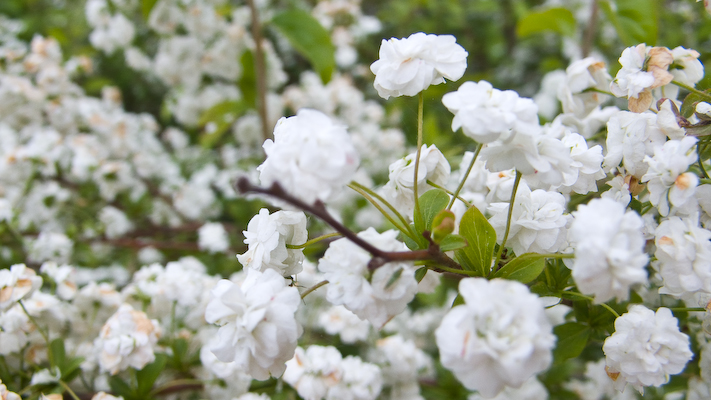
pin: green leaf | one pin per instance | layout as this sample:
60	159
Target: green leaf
147	7
222	115
559	20
481	237
121	388
636	21
452	242
248	81
459	300
147	376
420	274
431	203
523	268
309	38
572	339
393	278
56	347
688	107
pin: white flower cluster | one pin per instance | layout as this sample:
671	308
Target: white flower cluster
500	337
322	373
257	327
646	348
375	295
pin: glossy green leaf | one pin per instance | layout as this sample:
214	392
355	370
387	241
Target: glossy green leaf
558	20
420	274
452	242
309	38
636	21
524	268
431	203
572	339
481	237
689	105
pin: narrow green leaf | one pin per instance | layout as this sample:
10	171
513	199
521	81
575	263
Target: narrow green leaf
121	388
58	353
559	20
420	274
572	338
147	376
452	242
459	300
309	38
393	278
636	21
481	237
147	7
248	81
431	203
524	268
221	116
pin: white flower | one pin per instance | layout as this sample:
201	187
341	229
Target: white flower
684	255
586	165
50	246
17	283
311	157
580	76
409	66
643	68
337	320
63	277
486	114
212	238
538	221
500	337
686	68
402	364
668	184
312	372
258	329
399	190
115	221
609	249
385	294
532	389
267	236
619	191
8	395
646	348
105	396
127	340
631	137
597	385
359	381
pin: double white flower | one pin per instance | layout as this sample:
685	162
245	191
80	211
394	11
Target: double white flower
410	65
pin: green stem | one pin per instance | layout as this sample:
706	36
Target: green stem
312	241
592	89
704	181
439	268
508	219
39	329
692	90
559	255
312	288
464	178
691	309
701	163
582	296
420	116
69	390
405	230
449	192
387	204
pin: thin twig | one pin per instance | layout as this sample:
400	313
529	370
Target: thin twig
312	288
380	257
590	30
420	116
